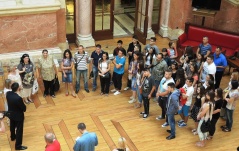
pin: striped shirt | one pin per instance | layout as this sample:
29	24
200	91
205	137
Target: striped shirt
81	60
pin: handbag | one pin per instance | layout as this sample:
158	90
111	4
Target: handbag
56	84
206	124
35	87
91	75
106	75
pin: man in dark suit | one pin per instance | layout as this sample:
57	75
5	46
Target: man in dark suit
16	107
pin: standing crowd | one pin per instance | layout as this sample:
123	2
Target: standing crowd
172	81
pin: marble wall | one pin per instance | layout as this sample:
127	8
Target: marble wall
225	19
28	32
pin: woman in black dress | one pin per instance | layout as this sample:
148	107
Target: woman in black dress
200	99
216	113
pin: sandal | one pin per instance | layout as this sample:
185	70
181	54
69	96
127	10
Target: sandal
137	105
67	93
195	133
194	130
74	95
209	137
27	102
200	144
226	130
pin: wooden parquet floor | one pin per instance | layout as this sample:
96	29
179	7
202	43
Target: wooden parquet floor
110	117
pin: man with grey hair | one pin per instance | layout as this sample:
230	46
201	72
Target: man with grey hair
87	141
51	143
204	48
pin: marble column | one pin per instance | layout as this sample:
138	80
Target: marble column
165	8
150	32
84	24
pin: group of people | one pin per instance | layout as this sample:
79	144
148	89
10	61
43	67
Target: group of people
150	74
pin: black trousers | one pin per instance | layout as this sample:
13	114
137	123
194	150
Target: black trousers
212	128
105	84
146	104
218	78
162	101
19	132
117	79
49	85
129	82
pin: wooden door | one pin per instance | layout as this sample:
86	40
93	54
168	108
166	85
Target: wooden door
103	19
141	20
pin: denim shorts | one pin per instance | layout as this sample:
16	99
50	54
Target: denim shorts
133	84
184	110
68	78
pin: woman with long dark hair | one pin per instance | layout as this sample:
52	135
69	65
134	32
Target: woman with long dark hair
200	62
216	113
149	57
174	68
139	76
104	73
66	66
210	86
200	99
205	114
26	71
231	98
180	78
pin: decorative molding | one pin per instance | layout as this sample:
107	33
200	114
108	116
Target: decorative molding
28	7
234	2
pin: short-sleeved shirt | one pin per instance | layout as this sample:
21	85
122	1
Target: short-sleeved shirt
47	68
218	105
147	85
189	94
81	60
27	76
15	78
96	57
208	69
55	146
234	94
204	48
220	61
121	61
116	51
163	86
67	63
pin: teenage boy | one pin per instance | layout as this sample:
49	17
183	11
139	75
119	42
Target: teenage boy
162	94
119	63
183	111
148	87
172	108
119	47
152	43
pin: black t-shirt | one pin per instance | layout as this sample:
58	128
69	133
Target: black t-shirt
147	86
116	51
218	105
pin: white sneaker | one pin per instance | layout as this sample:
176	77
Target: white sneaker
127	88
131	98
132	101
113	90
116	93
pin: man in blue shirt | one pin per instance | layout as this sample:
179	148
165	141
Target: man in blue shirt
87	141
96	55
221	63
118	73
204	48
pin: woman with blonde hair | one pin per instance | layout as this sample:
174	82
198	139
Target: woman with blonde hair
14	75
122	145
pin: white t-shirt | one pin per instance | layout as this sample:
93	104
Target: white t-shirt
15	78
208	69
232	105
163	86
189	94
104	66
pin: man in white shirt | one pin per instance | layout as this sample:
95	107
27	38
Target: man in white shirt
185	108
208	68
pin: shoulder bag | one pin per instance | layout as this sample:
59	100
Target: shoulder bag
76	64
206	124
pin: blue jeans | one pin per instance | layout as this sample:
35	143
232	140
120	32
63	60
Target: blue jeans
229	114
138	93
95	72
78	75
171	121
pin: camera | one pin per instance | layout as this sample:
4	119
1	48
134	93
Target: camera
5	113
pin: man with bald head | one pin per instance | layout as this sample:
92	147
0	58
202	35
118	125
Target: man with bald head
51	143
204	48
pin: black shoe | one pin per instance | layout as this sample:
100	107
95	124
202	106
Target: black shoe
44	95
77	91
170	137
145	116
21	148
86	90
169	131
94	89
